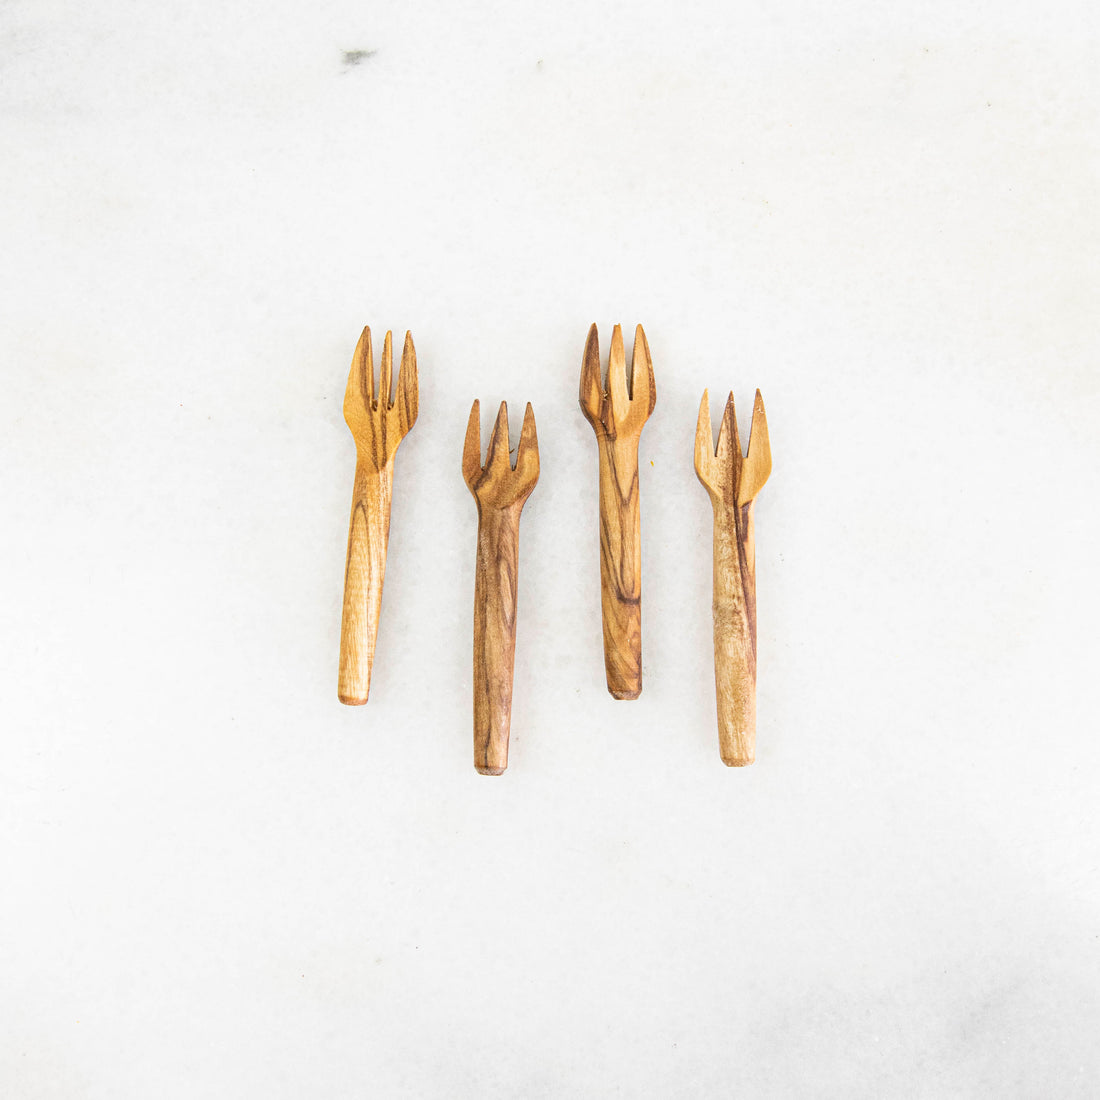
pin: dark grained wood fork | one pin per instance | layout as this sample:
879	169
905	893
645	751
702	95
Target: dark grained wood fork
500	491
618	413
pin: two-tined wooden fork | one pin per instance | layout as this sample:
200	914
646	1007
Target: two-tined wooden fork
618	413
378	423
733	480
500	491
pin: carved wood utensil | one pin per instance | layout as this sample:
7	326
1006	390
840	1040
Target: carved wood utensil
617	414
378	424
733	480
500	491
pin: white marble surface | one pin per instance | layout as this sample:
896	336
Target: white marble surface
217	882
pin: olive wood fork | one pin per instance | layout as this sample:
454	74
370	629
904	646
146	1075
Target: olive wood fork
378	424
500	491
617	414
733	480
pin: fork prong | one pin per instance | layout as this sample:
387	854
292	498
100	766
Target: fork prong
360	390
704	442
591	382
527	453
471	449
385	378
643	390
497	458
407	403
758	462
729	446
616	376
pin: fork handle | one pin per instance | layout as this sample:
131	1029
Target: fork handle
621	565
365	569
735	631
494	634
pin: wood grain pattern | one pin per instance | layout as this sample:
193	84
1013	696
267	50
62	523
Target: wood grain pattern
500	492
618	413
378	424
733	480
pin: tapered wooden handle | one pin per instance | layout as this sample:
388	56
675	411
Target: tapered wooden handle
494	634
621	566
364	572
735	631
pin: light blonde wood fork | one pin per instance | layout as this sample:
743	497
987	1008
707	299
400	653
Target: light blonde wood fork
733	480
378	423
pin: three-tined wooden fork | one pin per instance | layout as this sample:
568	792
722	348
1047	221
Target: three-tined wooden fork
378	422
733	479
501	491
617	413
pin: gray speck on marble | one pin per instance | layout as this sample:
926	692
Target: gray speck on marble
356	57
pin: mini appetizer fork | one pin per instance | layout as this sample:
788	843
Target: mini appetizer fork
617	415
500	491
733	480
378	424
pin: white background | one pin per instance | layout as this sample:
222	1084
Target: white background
218	882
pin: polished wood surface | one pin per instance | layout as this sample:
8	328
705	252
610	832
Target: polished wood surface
733	480
618	413
500	492
378	423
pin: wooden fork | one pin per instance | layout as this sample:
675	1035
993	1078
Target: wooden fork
378	424
500	492
733	480
617	415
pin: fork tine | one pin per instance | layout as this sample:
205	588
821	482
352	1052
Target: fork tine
527	453
385	380
758	431
616	376
407	405
361	379
471	449
591	383
643	390
497	457
758	462
729	446
704	442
